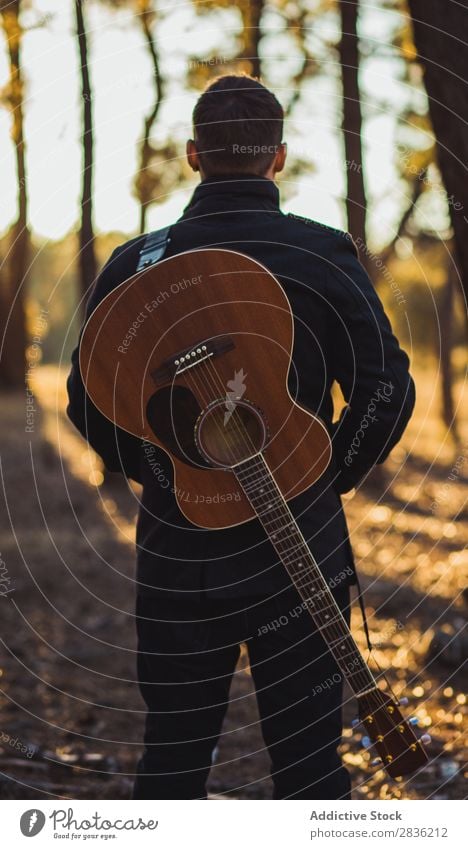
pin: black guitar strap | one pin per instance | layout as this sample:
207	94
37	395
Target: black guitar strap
154	247
363	612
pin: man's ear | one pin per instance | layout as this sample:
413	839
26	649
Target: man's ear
280	158
192	155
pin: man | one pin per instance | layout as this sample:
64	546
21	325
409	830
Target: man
200	594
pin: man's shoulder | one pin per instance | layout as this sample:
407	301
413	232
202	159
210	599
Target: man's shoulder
318	228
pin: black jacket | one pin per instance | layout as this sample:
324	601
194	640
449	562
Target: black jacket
341	334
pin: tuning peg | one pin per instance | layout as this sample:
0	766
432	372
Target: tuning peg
376	762
413	720
425	739
404	701
366	742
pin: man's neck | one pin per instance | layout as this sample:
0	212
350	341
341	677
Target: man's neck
241	175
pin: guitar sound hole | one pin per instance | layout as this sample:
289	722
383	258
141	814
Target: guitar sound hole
226	437
172	413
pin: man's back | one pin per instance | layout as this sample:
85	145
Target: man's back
341	333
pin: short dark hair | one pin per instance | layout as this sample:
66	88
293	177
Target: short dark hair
238	126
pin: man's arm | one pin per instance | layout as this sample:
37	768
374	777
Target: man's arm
370	367
120	451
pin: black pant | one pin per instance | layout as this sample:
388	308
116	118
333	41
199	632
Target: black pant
187	653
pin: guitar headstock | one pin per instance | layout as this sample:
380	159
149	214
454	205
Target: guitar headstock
391	734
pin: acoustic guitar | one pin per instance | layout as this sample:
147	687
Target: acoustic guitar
193	355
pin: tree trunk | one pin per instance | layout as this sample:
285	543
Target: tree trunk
440	38
145	18
251	11
87	256
12	318
356	204
446	346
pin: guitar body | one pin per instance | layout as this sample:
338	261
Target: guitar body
235	388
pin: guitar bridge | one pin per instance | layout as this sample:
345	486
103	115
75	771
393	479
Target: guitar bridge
190	357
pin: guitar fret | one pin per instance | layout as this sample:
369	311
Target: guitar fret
251	474
343	655
269	507
329	623
298	545
333	620
353	653
294	551
322	592
260	486
297	553
257	489
272	506
308	589
311	578
357	665
324	606
311	575
312	583
261	489
293	560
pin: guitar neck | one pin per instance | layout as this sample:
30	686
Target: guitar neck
284	534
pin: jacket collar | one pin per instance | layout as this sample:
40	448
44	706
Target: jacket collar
233	191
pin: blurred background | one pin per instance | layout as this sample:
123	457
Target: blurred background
95	106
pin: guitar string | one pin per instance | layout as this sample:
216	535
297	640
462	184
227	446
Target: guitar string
374	699
303	581
338	636
191	377
362	677
375	695
205	401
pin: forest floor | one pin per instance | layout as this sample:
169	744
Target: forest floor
71	714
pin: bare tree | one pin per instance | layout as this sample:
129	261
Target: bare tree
447	320
151	159
440	37
87	256
12	316
356	203
143	185
252	11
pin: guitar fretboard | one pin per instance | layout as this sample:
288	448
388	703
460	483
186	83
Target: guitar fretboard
283	531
